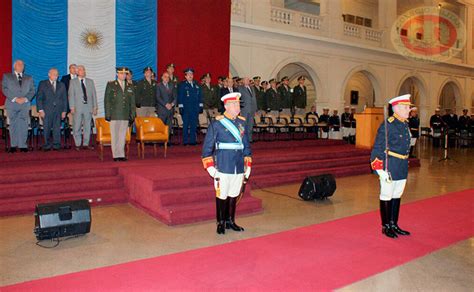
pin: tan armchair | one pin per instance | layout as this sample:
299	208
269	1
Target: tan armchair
151	130
104	138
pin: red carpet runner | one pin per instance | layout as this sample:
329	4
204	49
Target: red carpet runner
323	256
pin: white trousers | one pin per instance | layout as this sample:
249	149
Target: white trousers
118	132
392	190
228	185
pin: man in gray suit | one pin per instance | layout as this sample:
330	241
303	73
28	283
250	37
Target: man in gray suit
19	90
248	105
166	98
83	104
51	101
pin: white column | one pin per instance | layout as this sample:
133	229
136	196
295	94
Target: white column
387	17
331	10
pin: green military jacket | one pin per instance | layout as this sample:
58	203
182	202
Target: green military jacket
261	100
299	96
119	104
286	100
145	93
210	96
273	99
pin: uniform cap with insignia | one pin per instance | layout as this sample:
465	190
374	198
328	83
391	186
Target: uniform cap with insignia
257	78
148	68
264	82
169	65
272	80
301	78
285	78
122	69
221	78
402	99
231	97
188	70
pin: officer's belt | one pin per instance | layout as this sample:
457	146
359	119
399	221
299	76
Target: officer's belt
229	146
396	155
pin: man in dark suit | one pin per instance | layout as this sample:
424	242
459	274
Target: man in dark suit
300	96
72	74
285	92
228	88
19	90
166	96
52	107
248	104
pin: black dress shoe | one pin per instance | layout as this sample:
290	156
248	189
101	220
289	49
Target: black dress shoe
116	159
56	148
46	149
12	150
220	227
77	148
123	159
24	150
388	231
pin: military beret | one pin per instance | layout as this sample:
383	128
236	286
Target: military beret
301	78
169	65
147	68
257	77
189	70
284	78
121	69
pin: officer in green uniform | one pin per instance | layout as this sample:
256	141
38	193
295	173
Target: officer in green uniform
285	94
119	104
210	95
173	79
145	94
273	99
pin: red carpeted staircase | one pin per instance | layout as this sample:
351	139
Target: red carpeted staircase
23	188
176	190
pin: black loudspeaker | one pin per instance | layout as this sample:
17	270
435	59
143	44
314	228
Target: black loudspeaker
54	220
317	187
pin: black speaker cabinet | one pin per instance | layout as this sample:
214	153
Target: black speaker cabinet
61	219
317	187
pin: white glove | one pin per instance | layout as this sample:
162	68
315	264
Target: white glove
383	175
212	171
247	172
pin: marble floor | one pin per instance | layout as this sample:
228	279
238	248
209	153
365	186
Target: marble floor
122	233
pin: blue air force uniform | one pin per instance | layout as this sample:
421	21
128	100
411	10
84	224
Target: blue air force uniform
190	105
390	161
226	155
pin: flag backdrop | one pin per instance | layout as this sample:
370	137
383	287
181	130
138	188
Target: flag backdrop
103	34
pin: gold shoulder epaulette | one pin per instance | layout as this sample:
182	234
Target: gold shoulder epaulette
391	119
219	117
242	118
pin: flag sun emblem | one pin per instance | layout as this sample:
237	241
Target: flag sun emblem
92	39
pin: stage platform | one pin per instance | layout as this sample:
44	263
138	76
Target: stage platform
175	190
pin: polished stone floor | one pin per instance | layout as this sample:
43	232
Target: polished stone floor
122	233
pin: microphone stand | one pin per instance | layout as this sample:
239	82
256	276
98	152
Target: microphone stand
445	150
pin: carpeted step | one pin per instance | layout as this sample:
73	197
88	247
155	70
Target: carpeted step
271	180
194	212
13	206
292	156
60	186
189	195
57	175
260	169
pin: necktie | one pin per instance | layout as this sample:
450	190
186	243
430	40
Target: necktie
231	90
19	78
54	86
250	91
84	92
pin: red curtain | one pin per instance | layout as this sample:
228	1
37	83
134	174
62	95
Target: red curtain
194	34
6	41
